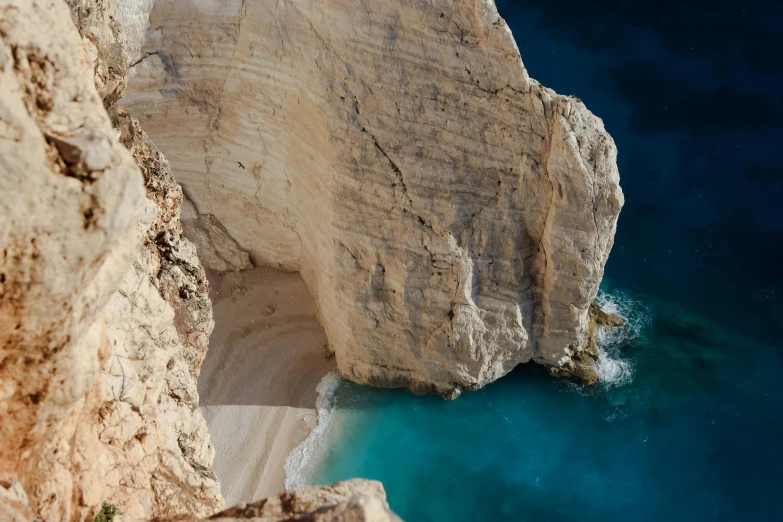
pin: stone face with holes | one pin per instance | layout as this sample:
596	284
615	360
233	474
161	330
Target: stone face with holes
451	216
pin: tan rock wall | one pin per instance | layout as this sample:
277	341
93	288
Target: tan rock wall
451	216
70	198
74	218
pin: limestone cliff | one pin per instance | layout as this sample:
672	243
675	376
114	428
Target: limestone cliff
70	199
74	218
96	276
451	216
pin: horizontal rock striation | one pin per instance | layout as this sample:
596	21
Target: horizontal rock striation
450	215
104	312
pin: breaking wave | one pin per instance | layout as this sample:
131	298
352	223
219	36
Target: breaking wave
301	465
614	369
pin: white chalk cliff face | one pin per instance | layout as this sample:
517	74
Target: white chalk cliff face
450	215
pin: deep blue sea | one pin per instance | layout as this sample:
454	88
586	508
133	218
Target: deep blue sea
691	428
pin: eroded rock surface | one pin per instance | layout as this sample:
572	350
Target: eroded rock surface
70	197
96	276
354	500
217	250
155	439
74	219
450	215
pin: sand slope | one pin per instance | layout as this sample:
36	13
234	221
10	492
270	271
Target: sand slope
258	381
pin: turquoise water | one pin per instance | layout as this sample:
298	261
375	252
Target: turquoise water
691	429
684	434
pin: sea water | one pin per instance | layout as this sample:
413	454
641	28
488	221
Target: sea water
688	421
685	426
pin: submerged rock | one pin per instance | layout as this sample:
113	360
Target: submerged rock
582	367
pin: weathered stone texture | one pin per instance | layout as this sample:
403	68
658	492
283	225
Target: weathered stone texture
353	500
451	216
74	219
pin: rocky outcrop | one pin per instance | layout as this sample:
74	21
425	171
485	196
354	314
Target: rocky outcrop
354	500
155	440
74	219
350	501
450	215
70	198
585	360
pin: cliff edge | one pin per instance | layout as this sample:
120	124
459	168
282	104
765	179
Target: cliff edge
104	316
450	215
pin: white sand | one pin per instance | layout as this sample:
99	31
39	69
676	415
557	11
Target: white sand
258	380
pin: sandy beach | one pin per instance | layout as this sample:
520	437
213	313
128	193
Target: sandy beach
257	384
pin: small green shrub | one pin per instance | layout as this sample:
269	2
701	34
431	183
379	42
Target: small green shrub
107	514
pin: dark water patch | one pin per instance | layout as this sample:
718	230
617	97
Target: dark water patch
691	94
763	173
665	103
729	34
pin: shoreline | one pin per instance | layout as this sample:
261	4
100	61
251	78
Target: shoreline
258	381
303	461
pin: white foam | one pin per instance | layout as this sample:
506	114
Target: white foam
612	368
301	465
613	371
635	313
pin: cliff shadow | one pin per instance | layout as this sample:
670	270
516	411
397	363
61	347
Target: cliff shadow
267	348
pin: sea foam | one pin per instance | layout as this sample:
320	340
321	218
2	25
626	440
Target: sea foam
613	369
301	465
